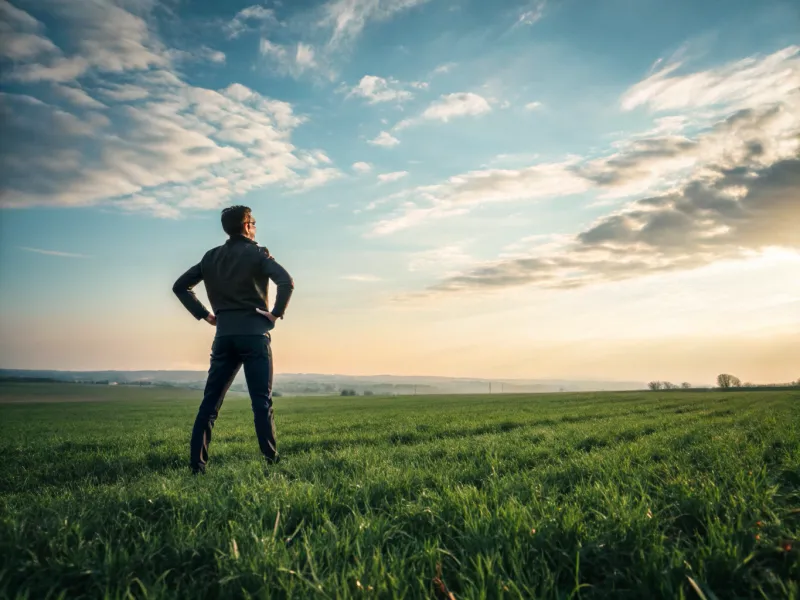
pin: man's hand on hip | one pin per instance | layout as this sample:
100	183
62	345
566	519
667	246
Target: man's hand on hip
269	315
211	320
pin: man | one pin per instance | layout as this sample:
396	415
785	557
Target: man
236	277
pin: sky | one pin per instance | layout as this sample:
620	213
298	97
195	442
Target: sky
514	189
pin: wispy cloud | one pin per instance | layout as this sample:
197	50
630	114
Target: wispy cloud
448	107
362	167
362	278
440	260
293	60
741	84
347	18
461	193
532	13
533	106
252	18
444	68
53	252
396	176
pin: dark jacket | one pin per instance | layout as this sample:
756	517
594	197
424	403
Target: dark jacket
236	275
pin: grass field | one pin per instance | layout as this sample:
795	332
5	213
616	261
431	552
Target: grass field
619	495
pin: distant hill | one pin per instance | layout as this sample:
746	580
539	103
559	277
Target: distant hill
316	383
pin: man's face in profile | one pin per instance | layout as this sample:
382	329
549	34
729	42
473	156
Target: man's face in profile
250	227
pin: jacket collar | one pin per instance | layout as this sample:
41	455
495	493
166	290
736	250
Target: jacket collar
240	238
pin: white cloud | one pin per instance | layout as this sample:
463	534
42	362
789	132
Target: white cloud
321	157
23	46
18	18
77	96
126	46
457	105
377	89
385	140
412	215
214	56
362	167
450	106
19	34
161	145
304	57
362	278
59	69
315	178
249	19
533	106
395	176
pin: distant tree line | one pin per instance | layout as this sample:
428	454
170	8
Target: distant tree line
725	381
667	385
351	392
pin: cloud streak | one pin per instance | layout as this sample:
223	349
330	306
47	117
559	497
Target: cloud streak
346	19
53	252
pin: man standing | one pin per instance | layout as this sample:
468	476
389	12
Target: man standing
236	277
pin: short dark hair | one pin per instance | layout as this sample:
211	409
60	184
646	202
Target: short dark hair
233	219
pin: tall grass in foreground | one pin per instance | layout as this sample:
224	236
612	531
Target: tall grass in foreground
620	495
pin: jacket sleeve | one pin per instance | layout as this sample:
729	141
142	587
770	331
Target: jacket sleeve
183	290
278	275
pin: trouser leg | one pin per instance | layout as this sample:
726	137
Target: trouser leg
256	354
225	364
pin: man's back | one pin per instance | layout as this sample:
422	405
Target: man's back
236	275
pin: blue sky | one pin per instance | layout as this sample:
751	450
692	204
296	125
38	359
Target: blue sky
457	187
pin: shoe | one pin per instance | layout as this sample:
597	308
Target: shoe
274	460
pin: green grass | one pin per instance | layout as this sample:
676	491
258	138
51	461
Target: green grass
621	495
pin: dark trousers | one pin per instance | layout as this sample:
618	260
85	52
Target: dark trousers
228	354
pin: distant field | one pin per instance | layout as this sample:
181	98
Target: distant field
608	495
11	393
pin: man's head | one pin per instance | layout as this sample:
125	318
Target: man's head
238	220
